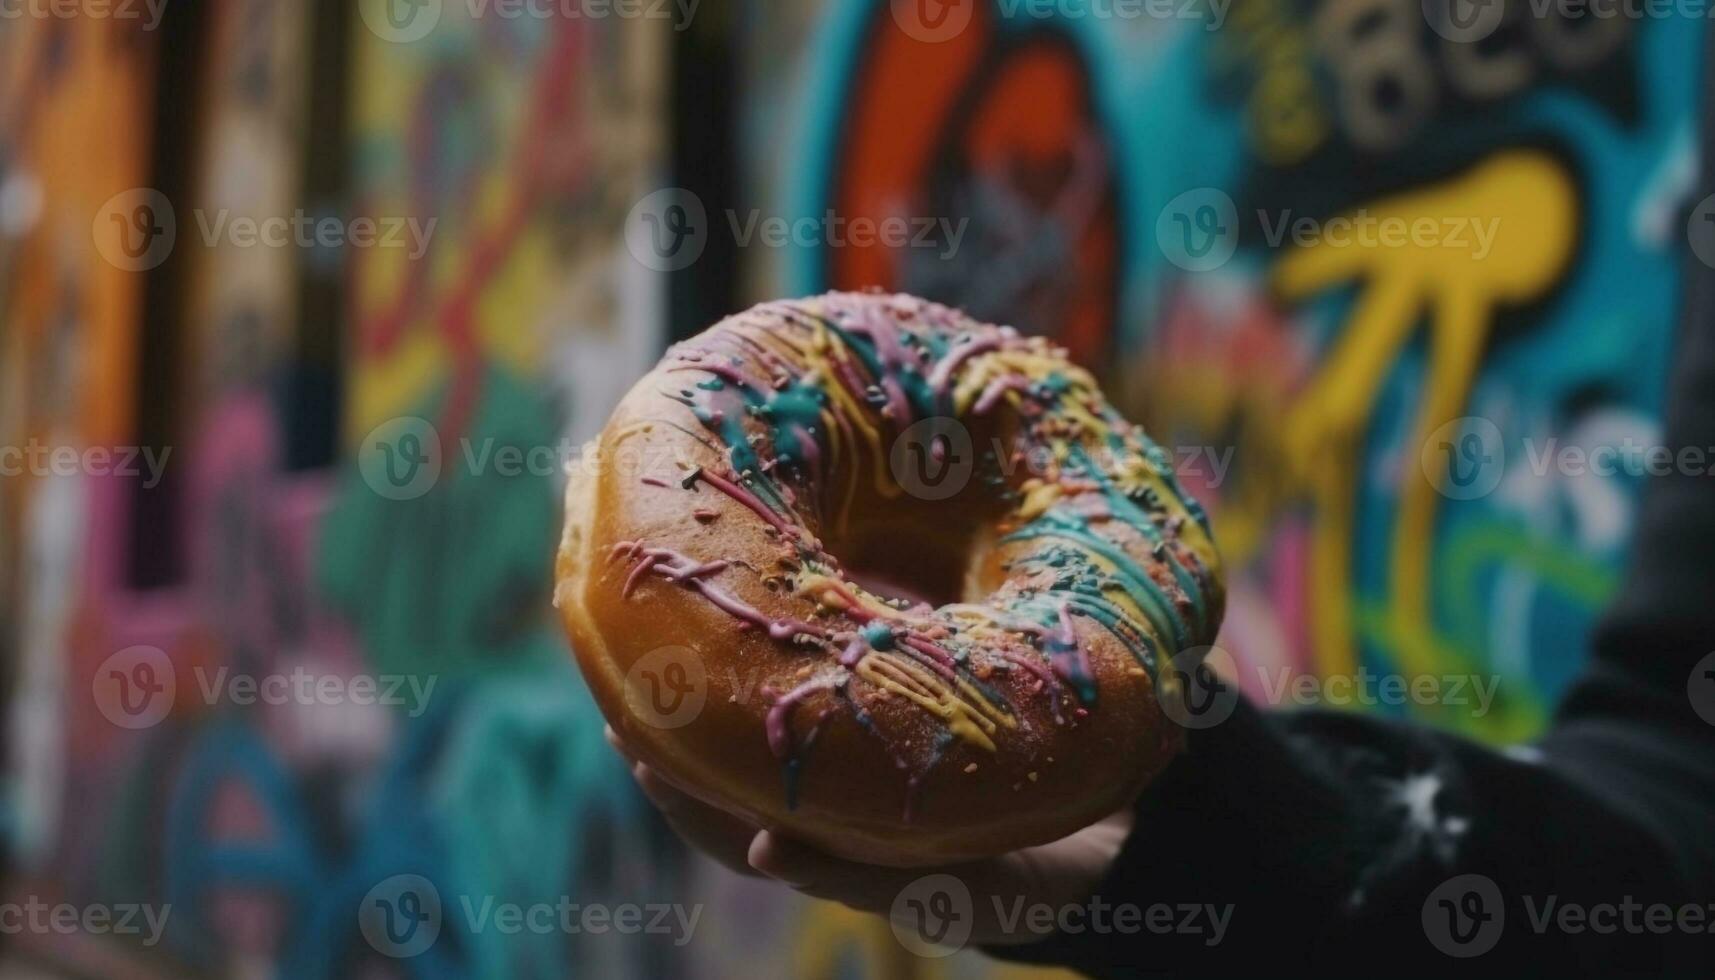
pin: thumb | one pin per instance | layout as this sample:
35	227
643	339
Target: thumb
990	896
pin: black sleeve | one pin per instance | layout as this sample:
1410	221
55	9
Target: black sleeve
1354	845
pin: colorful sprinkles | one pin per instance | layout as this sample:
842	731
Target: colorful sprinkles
796	395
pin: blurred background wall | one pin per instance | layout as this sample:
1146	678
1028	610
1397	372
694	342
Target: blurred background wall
1088	161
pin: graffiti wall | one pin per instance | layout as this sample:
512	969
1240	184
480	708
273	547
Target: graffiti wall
146	770
326	504
327	495
1204	212
525	144
73	99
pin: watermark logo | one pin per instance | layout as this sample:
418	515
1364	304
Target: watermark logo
135	687
667	230
1464	916
135	230
670	229
1283	687
1198	231
673	921
940	235
1368	230
933	459
400	21
1464	21
933	21
1212	12
1700	688
406	21
1023	918
666	688
933	916
401	917
1465	458
1193	689
400	459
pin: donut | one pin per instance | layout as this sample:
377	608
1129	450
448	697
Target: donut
889	580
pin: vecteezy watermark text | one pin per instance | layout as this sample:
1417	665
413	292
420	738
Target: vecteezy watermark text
136	230
1199	688
573	918
1284	686
1212	12
669	686
1600	25
405	21
1465	916
1366	230
1199	230
136	688
300	229
1467	458
939	235
404	458
301	686
1096	915
935	916
402	917
36	458
935	21
669	229
36	917
149	12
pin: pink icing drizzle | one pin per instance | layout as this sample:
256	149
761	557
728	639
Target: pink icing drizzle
746	498
688	572
942	376
779	713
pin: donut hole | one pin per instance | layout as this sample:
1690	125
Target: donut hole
917	572
937	554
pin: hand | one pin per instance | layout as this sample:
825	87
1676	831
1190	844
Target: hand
1062	873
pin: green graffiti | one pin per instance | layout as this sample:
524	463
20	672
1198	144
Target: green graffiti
457	577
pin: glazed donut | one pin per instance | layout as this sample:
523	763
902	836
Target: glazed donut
889	580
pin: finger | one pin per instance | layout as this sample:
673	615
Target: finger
865	887
709	829
1052	874
822	875
713	831
878	890
619	744
669	800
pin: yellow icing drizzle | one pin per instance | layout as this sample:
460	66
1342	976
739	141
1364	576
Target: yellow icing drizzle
971	717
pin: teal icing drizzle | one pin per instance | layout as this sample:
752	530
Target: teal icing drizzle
1142	589
1064	654
1080	586
1123	507
793	416
878	635
908	373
